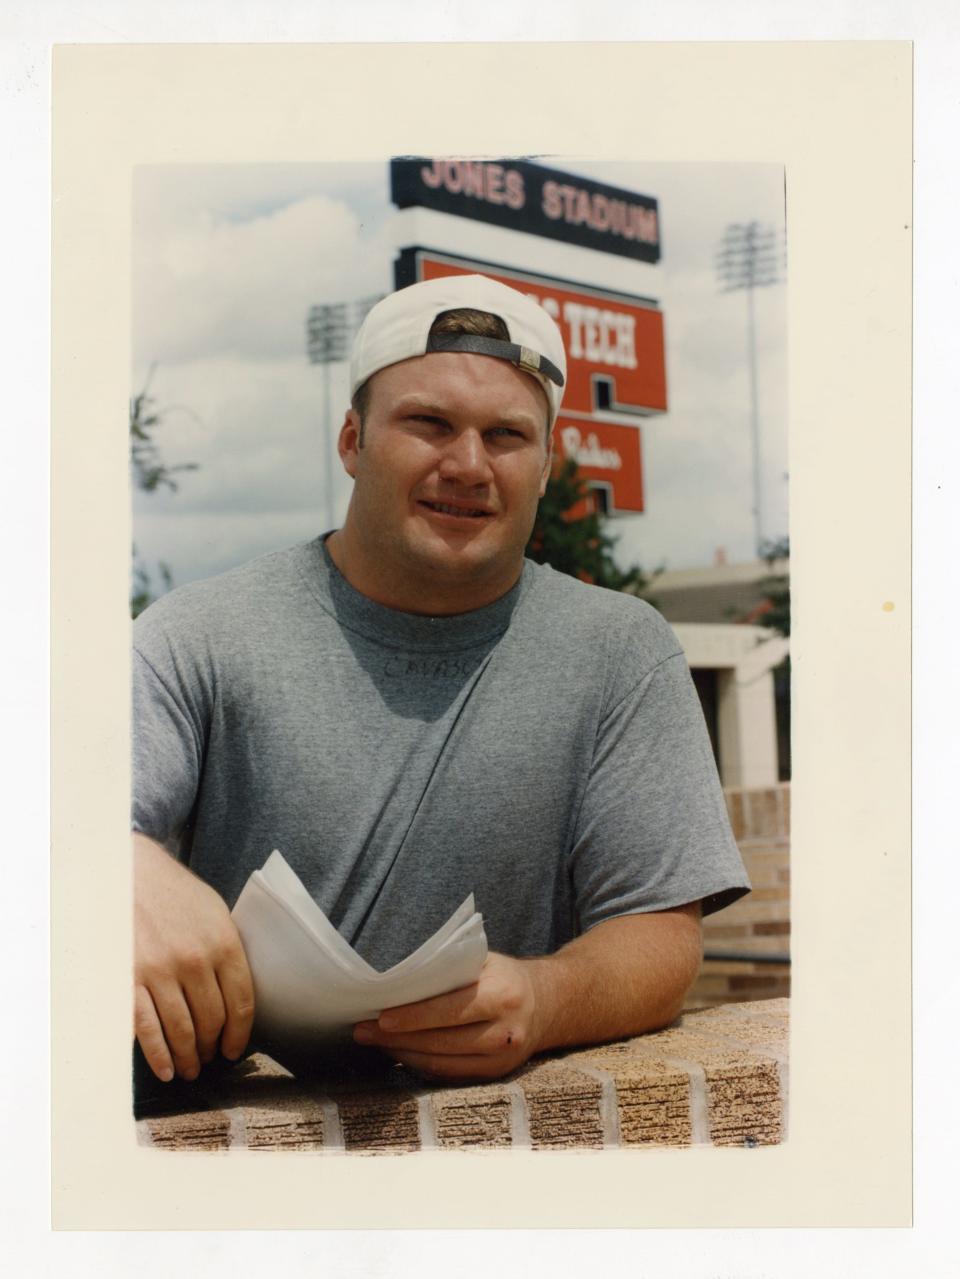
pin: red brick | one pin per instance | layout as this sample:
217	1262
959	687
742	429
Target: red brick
736	813
754	981
378	1121
769	895
739	932
765	813
763	873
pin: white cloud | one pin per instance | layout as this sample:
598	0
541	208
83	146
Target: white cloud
210	285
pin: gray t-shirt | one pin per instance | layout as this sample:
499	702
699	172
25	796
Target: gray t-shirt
547	753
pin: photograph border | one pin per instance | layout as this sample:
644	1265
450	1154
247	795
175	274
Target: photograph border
847	152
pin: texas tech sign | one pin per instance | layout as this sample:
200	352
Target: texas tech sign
615	368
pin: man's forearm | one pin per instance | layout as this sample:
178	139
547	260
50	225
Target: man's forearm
625	976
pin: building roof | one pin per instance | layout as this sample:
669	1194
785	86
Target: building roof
720	593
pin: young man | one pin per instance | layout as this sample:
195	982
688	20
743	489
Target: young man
411	712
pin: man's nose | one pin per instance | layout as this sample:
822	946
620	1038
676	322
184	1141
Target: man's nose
465	460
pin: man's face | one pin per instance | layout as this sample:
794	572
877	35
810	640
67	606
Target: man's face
453	461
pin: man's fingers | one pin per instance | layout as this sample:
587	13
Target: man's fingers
478	1038
465	1068
458	1008
178	1029
207	1010
236	986
146	1027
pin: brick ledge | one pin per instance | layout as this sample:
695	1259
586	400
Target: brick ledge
717	1076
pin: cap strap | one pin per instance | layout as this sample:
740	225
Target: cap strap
473	344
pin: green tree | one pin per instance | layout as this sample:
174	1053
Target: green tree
578	546
141	592
776	587
149	472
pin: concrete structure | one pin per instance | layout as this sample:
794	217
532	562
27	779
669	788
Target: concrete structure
718	615
728	593
716	1077
746	719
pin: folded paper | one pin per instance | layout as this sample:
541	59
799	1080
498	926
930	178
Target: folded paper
311	986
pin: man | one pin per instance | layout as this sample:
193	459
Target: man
410	712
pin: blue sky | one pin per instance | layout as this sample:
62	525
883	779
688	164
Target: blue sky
228	258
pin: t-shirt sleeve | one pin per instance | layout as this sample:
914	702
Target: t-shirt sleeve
652	831
167	753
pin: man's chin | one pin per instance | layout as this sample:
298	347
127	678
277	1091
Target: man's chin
455	556
453	542
456	563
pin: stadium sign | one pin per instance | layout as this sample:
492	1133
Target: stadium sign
532	198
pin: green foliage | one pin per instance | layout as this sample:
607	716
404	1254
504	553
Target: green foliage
142	590
149	473
579	547
776	587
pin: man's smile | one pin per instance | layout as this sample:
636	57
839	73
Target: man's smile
456	510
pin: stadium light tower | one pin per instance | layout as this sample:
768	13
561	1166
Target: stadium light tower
330	329
749	258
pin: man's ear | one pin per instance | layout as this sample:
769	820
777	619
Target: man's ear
348	444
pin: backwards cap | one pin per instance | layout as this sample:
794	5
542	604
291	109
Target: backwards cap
398	328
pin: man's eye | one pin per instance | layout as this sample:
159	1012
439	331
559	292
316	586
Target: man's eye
507	432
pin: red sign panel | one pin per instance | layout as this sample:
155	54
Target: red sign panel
615	351
615	365
608	455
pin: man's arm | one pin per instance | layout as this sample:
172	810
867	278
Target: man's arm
623	977
192	985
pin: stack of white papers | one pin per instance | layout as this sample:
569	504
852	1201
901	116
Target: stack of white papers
311	986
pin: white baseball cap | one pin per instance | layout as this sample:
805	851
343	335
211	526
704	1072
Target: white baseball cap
398	328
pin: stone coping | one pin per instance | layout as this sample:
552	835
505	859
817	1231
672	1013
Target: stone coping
716	1076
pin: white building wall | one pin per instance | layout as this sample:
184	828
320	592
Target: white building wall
744	658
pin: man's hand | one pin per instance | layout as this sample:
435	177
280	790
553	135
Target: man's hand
480	1032
192	985
625	976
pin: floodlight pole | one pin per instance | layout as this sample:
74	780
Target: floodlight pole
747	260
327	330
328	442
754	425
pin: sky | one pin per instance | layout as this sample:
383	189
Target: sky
228	259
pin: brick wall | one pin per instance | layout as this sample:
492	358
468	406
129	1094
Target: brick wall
759	924
715	1077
